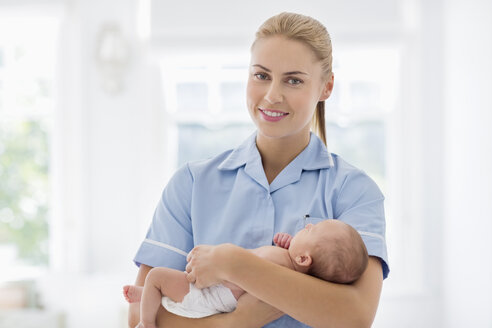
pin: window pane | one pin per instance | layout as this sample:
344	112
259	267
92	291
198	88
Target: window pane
233	96
27	66
199	142
192	97
365	95
27	80
24	190
361	144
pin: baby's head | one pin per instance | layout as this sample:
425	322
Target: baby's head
330	250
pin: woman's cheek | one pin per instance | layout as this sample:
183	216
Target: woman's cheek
252	98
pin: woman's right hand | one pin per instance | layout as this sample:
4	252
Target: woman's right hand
206	264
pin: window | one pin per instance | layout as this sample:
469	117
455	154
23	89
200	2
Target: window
362	105
27	93
206	105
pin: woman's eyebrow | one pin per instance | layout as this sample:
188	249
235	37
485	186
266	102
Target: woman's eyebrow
286	73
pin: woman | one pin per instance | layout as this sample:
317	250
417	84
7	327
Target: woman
271	183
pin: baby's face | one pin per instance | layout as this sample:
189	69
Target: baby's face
307	238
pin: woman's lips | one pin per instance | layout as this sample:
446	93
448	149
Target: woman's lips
272	115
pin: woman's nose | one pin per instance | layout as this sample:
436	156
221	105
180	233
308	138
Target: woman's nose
274	94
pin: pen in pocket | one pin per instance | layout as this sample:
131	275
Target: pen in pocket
306	216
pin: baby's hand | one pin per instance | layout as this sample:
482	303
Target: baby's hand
282	239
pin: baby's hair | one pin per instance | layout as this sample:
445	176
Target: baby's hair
340	257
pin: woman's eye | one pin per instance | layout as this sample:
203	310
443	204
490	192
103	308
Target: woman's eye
261	76
294	81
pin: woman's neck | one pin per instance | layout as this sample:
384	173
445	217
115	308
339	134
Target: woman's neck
277	153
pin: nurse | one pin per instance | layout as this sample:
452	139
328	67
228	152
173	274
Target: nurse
281	177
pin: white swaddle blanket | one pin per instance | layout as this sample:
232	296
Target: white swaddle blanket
199	303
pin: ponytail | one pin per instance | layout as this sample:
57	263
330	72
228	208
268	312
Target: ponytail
318	123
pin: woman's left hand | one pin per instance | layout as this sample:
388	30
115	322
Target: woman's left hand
205	265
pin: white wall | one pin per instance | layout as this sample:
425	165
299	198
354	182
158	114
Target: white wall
115	139
109	167
467	278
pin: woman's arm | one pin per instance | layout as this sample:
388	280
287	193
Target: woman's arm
250	313
241	317
310	300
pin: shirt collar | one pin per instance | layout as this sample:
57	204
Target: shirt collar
314	157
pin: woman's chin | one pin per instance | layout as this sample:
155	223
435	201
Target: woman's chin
271	133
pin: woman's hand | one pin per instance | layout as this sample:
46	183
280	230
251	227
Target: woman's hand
206	263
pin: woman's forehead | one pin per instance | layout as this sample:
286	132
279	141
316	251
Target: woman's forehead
280	54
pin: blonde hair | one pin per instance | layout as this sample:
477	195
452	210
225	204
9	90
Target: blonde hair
312	33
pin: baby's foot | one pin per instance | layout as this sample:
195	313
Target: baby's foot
132	293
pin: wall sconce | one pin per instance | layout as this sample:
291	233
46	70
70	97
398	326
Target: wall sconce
113	58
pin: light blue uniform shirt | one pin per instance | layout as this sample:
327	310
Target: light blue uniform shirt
227	199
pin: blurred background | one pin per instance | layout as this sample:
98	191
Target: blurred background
101	100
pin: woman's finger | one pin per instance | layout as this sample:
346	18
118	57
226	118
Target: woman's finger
191	277
188	267
198	284
189	256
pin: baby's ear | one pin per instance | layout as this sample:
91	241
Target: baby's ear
304	260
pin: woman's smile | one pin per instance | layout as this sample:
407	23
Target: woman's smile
272	115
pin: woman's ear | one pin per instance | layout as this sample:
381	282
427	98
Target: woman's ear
304	260
327	88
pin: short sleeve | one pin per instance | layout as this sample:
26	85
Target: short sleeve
170	237
360	204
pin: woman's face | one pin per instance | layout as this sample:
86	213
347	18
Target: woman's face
284	86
